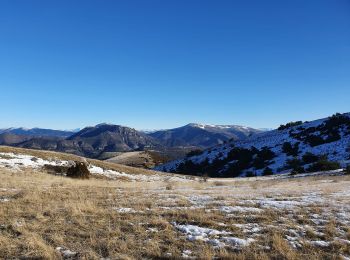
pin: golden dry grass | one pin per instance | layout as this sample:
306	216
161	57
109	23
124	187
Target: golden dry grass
44	212
67	157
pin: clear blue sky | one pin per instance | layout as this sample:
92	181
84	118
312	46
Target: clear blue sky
161	64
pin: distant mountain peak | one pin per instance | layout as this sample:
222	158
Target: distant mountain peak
104	124
205	126
202	135
36	132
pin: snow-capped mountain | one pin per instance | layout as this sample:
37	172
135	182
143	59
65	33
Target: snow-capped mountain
202	135
295	146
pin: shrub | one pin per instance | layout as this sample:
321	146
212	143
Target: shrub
240	154
250	174
293	163
290	124
314	140
204	178
262	157
267	171
298	170
258	163
324	165
79	170
310	158
188	167
347	170
266	154
336	120
56	169
194	153
169	186
296	165
290	150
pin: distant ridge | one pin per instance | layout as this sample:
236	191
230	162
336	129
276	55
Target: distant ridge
104	140
37	132
202	135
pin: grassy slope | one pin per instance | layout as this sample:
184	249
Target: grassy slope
64	156
45	212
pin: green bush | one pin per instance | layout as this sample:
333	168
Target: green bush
250	174
290	124
194	153
298	170
266	154
289	149
310	158
296	165
314	140
347	170
324	165
259	163
267	171
293	163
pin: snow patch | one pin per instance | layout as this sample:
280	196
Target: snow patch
66	253
239	209
213	237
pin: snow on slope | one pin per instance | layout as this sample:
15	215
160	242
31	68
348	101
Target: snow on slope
18	162
336	151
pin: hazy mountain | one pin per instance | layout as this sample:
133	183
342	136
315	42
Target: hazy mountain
110	138
95	141
295	146
11	139
103	140
36	132
202	135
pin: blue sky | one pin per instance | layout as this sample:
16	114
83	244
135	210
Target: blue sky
160	64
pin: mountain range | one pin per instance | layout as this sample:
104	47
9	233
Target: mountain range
295	147
38	132
104	140
202	135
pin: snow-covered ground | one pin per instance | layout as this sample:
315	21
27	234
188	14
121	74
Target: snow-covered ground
16	162
274	140
211	236
310	213
241	210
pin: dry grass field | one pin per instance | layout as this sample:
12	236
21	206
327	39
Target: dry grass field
43	216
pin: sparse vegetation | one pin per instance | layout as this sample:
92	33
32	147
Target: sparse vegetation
310	158
79	170
46	215
194	153
323	165
327	132
237	159
290	150
347	170
267	171
289	125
